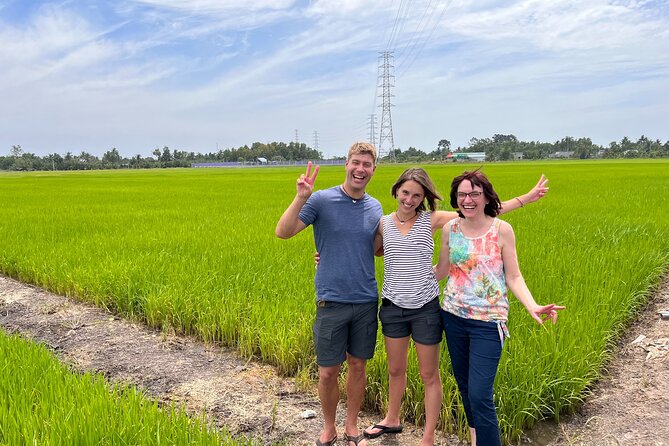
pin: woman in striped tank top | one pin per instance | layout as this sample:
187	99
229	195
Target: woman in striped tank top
410	293
478	253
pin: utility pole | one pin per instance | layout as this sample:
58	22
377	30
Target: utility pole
386	140
297	140
371	124
316	140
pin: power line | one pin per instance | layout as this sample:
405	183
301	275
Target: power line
386	37
420	29
420	49
376	86
392	31
390	46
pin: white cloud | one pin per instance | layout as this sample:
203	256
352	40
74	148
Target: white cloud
347	8
218	6
51	33
558	24
195	18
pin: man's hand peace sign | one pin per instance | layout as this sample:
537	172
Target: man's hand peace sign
305	183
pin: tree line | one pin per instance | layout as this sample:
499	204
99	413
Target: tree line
499	147
507	147
20	159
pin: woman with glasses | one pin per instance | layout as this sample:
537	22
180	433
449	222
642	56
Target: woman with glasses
478	253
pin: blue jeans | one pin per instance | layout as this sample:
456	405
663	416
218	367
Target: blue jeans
475	349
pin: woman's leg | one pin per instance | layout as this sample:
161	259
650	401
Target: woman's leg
457	341
397	350
484	355
428	363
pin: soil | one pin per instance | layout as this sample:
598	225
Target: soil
629	406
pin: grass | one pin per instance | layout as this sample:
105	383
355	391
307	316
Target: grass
42	402
194	250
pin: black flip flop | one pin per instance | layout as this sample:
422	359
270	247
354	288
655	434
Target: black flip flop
383	430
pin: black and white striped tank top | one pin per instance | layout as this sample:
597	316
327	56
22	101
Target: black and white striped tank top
408	277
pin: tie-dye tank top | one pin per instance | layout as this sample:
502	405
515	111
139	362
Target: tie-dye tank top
476	287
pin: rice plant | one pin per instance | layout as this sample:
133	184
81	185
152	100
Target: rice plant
42	402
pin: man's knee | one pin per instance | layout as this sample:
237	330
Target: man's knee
329	374
356	365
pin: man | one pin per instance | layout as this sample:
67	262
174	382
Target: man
345	220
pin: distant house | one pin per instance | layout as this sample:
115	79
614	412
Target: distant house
261	160
561	155
469	156
518	155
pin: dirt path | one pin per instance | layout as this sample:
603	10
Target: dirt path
628	407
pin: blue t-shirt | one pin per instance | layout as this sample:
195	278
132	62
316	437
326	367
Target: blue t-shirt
344	234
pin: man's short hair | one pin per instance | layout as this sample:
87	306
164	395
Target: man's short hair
362	148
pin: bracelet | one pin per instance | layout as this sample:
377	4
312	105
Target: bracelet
520	201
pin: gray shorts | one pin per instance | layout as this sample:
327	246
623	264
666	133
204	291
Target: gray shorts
422	324
344	328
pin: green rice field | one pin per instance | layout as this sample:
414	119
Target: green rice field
194	250
44	403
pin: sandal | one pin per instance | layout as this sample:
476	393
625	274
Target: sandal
354	439
382	430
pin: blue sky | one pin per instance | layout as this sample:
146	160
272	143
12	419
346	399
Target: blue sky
205	74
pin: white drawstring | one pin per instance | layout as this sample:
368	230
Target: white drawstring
503	331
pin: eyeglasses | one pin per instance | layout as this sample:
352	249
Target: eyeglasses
473	195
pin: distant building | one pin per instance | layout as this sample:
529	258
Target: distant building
261	160
561	155
518	155
469	156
